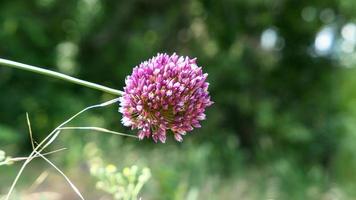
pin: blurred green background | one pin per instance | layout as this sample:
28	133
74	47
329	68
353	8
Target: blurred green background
281	75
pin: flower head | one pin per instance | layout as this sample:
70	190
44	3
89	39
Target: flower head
165	93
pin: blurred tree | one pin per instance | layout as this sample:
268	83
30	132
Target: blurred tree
274	91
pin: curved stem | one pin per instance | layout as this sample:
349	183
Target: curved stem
58	75
99	129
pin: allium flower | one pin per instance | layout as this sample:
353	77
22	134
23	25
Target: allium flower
165	93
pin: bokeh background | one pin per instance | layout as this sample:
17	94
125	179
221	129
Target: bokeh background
281	75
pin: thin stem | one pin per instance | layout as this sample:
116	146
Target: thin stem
17	159
99	129
58	75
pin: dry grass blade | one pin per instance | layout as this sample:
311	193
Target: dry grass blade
39	180
43	143
47	160
93	128
25	158
30	130
75	189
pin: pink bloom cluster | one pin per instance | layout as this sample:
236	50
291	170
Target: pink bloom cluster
165	93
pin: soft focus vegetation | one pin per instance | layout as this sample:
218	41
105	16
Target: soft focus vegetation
281	75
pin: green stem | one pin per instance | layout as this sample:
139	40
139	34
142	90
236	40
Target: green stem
58	75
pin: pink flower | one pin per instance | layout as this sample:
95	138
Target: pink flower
165	93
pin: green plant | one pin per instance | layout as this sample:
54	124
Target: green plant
122	185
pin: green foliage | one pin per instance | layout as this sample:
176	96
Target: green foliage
283	112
